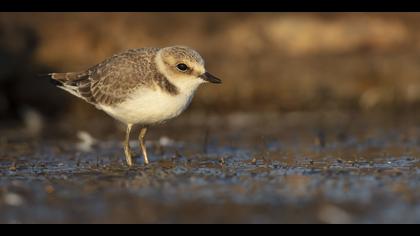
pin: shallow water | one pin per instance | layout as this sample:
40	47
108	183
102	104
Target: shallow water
331	167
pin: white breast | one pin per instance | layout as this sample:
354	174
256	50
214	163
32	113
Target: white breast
147	106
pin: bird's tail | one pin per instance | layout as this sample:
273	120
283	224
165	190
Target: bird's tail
66	81
62	79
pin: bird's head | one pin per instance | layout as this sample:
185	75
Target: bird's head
183	66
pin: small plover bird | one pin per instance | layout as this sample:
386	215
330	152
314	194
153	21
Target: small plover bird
143	86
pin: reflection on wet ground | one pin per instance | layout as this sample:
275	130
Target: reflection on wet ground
269	168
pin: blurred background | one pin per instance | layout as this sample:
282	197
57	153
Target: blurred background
315	121
268	61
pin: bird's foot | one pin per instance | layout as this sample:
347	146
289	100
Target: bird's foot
129	157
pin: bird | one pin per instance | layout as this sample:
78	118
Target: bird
141	86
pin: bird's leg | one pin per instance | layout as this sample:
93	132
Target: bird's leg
142	134
127	150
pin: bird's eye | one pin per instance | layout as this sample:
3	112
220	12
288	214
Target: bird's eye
182	67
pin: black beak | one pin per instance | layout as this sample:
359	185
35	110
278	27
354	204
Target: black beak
210	78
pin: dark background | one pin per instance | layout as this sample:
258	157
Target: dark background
278	62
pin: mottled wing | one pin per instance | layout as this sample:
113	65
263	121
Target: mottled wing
113	80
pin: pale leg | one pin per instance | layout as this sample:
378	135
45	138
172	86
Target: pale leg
142	145
127	150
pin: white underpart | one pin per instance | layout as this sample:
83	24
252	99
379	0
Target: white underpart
150	106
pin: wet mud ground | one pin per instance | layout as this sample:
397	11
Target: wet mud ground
324	167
